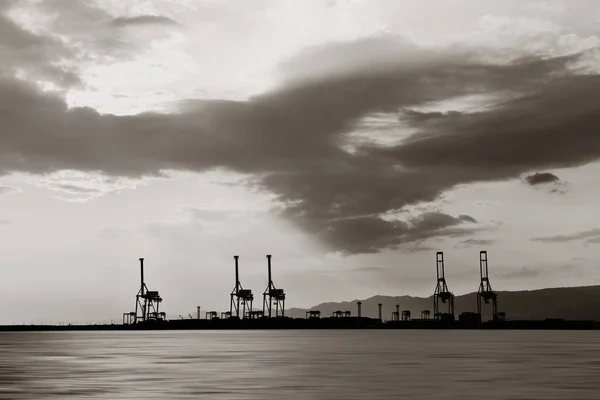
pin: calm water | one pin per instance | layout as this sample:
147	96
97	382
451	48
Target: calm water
300	365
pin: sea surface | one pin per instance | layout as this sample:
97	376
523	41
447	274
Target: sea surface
286	365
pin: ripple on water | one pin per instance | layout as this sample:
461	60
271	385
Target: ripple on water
300	365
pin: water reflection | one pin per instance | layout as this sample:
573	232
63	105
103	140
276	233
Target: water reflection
300	365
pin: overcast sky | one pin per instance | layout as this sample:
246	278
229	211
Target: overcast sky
350	139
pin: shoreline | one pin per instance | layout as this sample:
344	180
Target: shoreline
313	324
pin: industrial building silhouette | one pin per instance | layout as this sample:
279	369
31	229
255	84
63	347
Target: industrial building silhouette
242	315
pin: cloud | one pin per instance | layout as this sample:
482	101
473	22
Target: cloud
8	190
559	191
416	247
368	234
76	189
541	178
78	186
143	20
546	178
476	242
57	52
514	145
291	139
22	52
591	236
4	222
466	218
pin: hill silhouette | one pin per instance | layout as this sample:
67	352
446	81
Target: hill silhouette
573	303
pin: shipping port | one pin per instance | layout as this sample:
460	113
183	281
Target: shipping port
242	313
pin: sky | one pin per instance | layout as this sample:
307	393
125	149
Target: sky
349	139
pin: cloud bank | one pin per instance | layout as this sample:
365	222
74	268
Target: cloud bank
293	140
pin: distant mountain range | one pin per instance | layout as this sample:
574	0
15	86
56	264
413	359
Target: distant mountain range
574	303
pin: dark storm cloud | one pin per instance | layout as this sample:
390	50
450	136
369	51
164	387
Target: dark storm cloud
370	234
553	126
291	138
590	236
143	20
540	178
